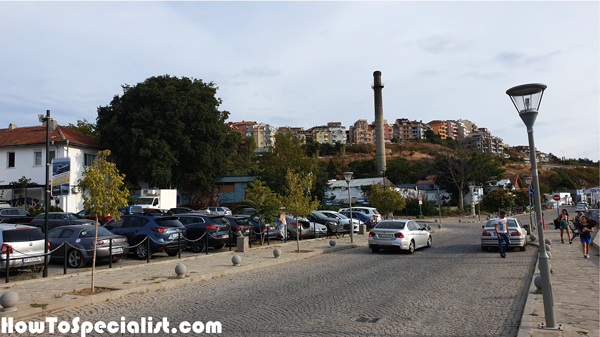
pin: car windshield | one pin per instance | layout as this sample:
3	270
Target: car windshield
168	222
341	216
319	215
391	225
87	233
512	223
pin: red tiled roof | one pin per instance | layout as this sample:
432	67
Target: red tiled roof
31	135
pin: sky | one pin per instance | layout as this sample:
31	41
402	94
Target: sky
309	63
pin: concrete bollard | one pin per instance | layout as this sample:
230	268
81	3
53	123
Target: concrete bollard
548	241
9	301
548	247
538	282
362	230
243	244
332	243
180	270
277	252
236	260
532	238
439	225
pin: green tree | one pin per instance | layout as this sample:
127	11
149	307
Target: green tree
85	127
521	197
287	154
454	170
23	183
386	200
295	200
265	202
496	199
168	131
427	207
104	193
249	150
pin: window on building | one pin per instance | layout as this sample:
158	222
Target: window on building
227	188
88	159
10	159
52	154
37	158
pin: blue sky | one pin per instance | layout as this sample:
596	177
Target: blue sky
309	63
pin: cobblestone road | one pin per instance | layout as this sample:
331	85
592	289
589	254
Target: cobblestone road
451	289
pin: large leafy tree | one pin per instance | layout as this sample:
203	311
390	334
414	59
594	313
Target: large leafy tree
454	170
287	154
168	131
85	127
498	199
104	193
295	201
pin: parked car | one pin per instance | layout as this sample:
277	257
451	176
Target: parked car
197	225
241	226
101	219
180	210
307	228
217	210
246	211
361	217
81	244
131	210
517	233
371	212
23	243
399	234
271	230
342	218
15	215
57	219
581	207
163	233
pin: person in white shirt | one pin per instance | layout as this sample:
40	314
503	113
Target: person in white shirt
502	233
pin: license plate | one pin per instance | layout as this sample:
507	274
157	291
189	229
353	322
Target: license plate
226	236
174	236
385	235
117	250
33	259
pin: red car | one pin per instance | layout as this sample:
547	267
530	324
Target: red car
101	219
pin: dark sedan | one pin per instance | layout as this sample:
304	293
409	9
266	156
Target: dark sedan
15	215
166	234
57	219
81	244
240	226
197	225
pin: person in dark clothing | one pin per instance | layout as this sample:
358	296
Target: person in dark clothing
586	228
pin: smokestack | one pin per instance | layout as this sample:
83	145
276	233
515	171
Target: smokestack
379	133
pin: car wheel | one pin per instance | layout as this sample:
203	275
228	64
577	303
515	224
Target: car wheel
218	246
374	249
171	252
75	259
197	246
524	248
289	235
141	251
429	241
411	247
484	248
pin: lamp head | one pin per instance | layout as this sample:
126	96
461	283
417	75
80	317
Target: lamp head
348	176
527	180
527	99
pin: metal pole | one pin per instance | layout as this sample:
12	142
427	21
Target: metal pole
47	194
110	256
544	264
65	259
148	249
8	248
439	205
479	203
350	203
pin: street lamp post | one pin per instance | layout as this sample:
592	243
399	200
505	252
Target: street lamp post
526	99
439	204
47	120
348	178
472	187
528	182
563	157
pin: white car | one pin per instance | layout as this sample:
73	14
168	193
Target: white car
517	233
581	207
344	220
217	210
371	212
399	234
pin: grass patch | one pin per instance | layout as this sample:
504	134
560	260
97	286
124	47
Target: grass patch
88	291
39	305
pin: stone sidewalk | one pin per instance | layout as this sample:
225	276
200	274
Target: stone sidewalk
575	288
46	295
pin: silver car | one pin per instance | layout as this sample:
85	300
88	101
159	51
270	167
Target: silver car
518	234
399	234
344	220
307	228
25	246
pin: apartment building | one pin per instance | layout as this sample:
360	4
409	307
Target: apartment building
331	133
264	135
243	127
419	128
439	128
402	129
453	130
361	133
296	132
483	141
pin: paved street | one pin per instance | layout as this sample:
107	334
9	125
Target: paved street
452	289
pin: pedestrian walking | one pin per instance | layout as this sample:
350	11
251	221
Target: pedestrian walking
502	233
282	225
564	225
586	228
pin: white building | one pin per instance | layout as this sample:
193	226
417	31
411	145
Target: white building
23	154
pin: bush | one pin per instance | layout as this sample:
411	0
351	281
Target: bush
428	207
